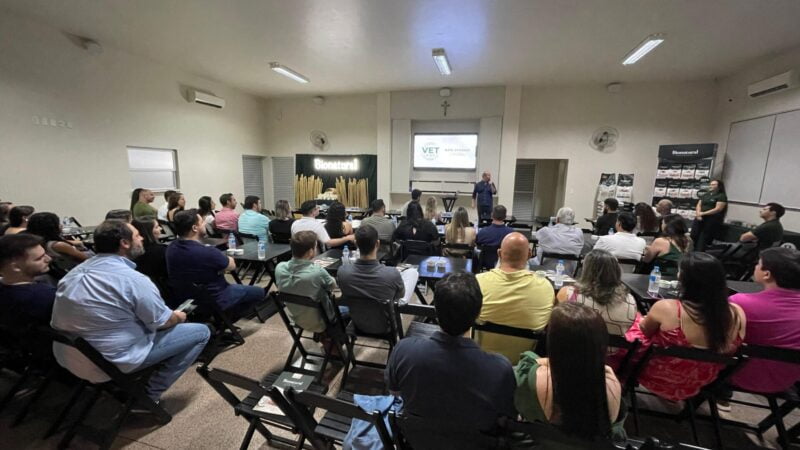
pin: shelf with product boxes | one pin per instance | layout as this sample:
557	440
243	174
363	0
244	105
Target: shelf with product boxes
683	174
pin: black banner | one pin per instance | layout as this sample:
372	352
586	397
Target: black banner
331	167
686	152
683	172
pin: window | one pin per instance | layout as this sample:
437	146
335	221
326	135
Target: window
253	171
153	168
283	179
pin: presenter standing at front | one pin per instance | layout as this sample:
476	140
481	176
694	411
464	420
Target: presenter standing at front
482	195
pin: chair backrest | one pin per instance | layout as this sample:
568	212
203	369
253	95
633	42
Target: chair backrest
488	257
281	299
412	247
305	402
245	237
628	265
491	327
623	364
167	227
459	250
281	238
434	433
548	436
572	263
372	315
730	363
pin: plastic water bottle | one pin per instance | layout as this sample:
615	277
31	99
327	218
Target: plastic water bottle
231	241
349	217
262	249
655	278
394	221
559	279
355	254
345	255
611	231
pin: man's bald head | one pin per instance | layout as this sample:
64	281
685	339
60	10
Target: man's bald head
514	251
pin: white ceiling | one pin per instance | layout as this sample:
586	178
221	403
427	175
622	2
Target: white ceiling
348	46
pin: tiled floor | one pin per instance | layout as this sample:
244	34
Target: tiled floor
202	419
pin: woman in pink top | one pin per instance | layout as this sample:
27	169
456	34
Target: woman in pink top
773	320
701	317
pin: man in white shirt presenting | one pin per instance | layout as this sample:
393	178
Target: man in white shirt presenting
308	222
623	244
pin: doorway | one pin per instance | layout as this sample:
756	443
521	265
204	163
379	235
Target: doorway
539	188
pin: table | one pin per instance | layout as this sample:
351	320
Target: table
452	264
336	254
638	283
274	252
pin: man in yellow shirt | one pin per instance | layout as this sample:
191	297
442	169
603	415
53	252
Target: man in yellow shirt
513	296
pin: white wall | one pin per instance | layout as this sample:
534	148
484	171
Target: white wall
558	122
112	100
733	105
349	121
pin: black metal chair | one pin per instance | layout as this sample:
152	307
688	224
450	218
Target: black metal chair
375	319
537	338
334	329
545	435
433	433
629	265
572	263
487	257
424	322
458	250
220	379
225	335
281	238
335	424
411	247
127	388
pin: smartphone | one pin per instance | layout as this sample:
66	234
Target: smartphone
187	305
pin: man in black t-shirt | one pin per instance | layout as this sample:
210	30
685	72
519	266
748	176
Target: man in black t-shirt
608	220
24	302
769	232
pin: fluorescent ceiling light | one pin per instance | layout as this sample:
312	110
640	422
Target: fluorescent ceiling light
646	46
440	58
287	72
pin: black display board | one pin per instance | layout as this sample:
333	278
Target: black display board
683	171
325	167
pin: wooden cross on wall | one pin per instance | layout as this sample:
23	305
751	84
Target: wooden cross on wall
445	105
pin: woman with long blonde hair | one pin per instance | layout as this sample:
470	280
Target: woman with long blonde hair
458	231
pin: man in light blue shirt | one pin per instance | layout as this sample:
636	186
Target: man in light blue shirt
120	312
252	221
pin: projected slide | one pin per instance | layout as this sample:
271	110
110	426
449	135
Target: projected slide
445	151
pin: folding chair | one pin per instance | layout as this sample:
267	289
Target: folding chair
627	350
707	393
372	318
420	326
754	354
334	328
629	265
572	263
225	334
537	338
219	380
169	231
458	250
335	424
487	257
281	238
412	432
546	435
413	247
128	389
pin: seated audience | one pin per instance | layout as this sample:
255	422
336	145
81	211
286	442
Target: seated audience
380	222
447	377
667	250
773	320
458	231
300	276
563	238
572	388
770	232
336	223
124	215
153	262
177	202
646	220
623	244
308	222
163	209
513	296
24	302
701	317
281	225
140	203
664	207
252	221
18	219
415	227
121	314
607	222
227	219
415	196
47	226
207	212
368	278
497	230
190	262
600	287
432	210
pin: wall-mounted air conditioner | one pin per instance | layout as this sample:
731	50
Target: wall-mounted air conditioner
786	80
206	99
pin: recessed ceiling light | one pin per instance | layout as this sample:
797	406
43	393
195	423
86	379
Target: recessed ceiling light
645	47
287	72
440	58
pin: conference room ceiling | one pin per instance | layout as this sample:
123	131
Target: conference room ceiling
347	46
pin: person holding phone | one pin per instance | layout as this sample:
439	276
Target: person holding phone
482	195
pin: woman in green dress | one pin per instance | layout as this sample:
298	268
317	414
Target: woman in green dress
668	248
709	215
